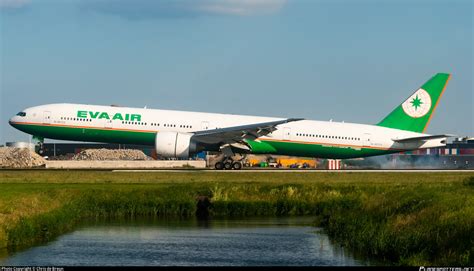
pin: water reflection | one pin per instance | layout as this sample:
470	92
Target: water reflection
257	241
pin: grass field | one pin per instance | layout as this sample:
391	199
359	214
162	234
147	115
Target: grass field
403	218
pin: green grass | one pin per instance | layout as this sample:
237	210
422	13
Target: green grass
403	218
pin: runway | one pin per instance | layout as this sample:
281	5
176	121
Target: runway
302	170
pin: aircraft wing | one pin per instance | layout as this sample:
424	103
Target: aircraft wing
237	134
419	138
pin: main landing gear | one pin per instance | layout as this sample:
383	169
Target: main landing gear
228	159
228	164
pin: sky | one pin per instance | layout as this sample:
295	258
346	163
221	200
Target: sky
345	60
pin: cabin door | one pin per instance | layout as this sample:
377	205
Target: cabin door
108	124
46	117
205	125
366	140
286	133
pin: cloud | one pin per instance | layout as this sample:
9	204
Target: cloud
240	7
149	9
14	4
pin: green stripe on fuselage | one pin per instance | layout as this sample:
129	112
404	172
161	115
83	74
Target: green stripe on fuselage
88	134
148	138
313	150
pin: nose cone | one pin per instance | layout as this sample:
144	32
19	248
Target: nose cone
13	120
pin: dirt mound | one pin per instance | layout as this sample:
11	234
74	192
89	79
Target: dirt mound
107	154
19	158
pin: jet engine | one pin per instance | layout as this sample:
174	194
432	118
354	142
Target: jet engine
174	144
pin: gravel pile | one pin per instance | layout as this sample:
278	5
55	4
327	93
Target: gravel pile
19	158
106	154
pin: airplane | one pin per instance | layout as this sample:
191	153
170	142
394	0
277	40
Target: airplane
181	134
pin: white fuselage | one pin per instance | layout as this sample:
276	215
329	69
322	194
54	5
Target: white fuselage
323	133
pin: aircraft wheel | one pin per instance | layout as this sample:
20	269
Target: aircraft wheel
219	165
237	165
227	165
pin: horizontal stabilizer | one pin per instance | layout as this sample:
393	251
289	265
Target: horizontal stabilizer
420	138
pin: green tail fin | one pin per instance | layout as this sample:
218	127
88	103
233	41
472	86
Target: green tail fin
415	113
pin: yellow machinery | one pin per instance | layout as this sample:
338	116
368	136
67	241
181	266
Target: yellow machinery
281	161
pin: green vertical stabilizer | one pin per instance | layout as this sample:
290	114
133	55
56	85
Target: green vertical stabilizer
415	113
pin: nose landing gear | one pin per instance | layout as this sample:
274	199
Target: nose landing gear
39	144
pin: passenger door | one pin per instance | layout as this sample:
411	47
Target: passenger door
47	117
205	125
286	133
108	124
366	140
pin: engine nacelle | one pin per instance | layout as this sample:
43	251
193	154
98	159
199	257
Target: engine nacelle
174	144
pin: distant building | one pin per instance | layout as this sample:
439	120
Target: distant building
65	150
69	149
458	154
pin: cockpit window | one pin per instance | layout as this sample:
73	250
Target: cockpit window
21	114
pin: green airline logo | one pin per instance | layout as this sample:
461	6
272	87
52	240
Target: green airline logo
105	115
416	102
